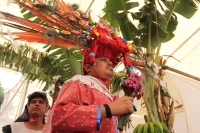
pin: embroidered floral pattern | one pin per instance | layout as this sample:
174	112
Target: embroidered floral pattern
76	108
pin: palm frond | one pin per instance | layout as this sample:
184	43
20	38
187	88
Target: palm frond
38	65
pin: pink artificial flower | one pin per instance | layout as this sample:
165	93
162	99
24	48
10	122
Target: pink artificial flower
133	85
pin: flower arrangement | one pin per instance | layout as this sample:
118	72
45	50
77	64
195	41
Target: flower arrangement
132	87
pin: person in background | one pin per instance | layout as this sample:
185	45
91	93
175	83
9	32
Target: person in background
32	119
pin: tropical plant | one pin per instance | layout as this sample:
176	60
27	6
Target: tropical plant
55	24
148	28
118	80
59	62
43	66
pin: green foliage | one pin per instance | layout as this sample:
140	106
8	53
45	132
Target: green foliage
118	80
60	61
154	27
120	20
28	61
186	8
41	66
68	61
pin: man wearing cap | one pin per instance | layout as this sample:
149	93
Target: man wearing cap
32	119
84	103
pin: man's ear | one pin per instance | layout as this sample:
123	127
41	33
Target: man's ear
87	68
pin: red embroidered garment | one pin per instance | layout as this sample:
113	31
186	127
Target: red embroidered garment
76	108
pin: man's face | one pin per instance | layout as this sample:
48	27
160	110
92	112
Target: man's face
103	69
37	107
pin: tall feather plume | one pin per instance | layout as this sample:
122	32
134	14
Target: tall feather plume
33	25
63	26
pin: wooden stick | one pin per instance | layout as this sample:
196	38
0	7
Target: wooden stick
55	95
183	73
179	106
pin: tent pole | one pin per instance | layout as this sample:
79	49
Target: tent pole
89	6
183	73
19	102
184	43
23	99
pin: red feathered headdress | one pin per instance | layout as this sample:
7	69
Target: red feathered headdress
106	43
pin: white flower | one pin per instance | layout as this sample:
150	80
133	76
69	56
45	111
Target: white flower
51	88
154	66
163	83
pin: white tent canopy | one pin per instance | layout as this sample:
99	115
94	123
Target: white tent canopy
186	91
184	47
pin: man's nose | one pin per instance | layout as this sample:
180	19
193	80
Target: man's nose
110	63
37	103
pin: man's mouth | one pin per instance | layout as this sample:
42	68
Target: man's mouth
110	67
36	109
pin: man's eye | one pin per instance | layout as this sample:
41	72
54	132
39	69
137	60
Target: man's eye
41	102
103	59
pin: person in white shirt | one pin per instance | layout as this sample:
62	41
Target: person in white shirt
32	119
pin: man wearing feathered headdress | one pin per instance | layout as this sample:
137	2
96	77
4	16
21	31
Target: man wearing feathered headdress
84	103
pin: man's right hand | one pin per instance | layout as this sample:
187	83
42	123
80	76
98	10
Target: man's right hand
119	107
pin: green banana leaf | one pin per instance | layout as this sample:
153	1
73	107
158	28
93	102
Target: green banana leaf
41	66
120	20
67	62
118	80
186	8
162	24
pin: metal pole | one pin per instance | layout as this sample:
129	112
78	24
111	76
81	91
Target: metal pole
89	6
184	42
9	96
16	115
23	98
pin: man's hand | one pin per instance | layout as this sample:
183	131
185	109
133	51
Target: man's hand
119	107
